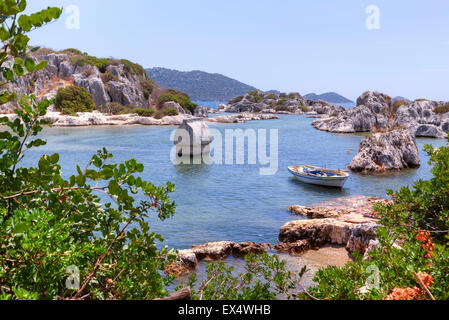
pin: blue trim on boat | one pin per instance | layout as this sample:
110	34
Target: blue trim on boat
319	179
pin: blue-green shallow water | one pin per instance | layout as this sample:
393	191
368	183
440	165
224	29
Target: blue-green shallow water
222	202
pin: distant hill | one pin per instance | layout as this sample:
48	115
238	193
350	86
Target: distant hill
330	97
199	85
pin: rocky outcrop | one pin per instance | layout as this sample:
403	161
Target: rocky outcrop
376	111
350	221
242	118
359	119
114	84
354	234
189	259
96	118
383	152
173	105
293	103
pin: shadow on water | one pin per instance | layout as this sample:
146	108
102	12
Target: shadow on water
319	190
194	166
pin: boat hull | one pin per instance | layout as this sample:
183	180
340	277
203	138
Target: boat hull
334	182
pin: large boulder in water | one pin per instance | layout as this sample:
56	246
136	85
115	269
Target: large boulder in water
383	152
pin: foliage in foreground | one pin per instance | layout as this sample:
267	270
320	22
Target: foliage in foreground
265	278
63	238
413	244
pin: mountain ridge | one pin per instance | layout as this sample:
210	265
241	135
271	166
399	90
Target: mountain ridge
200	85
331	97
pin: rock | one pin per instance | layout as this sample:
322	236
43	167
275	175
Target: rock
431	131
95	86
242	118
173	105
352	234
383	152
361	237
358	119
297	247
189	259
202	112
96	118
126	94
315	212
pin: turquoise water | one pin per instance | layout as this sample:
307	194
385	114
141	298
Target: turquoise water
220	202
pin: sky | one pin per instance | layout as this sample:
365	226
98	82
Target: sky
288	45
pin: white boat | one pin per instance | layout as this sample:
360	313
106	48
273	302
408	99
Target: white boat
320	176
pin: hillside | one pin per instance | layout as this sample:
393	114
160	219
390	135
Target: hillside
199	85
330	97
117	86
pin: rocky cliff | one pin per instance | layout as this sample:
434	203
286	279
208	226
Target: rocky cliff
376	111
108	80
384	152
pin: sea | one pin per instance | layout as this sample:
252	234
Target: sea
229	202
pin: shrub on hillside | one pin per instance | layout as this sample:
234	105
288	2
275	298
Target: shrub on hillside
170	112
398	104
147	87
107	76
133	68
179	97
304	108
144	112
282	108
442	109
83	60
73	51
73	99
116	108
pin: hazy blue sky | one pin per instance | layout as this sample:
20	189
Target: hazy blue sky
289	45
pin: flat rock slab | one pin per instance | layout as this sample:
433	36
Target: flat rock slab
190	258
356	206
350	222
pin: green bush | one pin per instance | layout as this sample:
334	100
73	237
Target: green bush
282	108
144	112
282	102
398	104
107	76
304	108
116	108
442	109
72	50
73	99
83	60
133	68
147	87
266	277
179	97
170	112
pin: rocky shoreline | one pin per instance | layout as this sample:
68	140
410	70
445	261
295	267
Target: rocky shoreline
346	222
56	119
